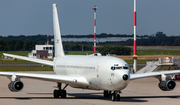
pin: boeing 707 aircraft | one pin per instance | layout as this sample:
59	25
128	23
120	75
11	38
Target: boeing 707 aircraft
94	72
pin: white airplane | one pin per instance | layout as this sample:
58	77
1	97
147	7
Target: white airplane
94	72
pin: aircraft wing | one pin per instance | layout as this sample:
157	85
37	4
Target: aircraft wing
153	74
46	62
67	79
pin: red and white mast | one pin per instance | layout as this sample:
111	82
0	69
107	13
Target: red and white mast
135	52
95	8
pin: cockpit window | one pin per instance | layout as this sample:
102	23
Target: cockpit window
118	67
112	68
124	67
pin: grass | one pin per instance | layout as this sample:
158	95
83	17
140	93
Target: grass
47	68
22	53
78	52
28	68
15	62
139	52
25	53
138	61
158	52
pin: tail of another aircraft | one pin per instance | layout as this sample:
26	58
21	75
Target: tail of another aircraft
57	35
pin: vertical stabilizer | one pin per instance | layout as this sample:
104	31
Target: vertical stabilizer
57	35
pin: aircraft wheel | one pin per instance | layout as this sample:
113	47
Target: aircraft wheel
106	94
56	94
118	97
63	95
113	97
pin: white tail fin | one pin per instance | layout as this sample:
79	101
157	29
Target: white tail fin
57	35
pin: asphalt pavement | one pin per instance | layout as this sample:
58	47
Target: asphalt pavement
143	91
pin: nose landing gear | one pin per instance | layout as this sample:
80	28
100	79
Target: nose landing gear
115	95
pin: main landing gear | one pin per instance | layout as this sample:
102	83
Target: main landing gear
115	95
60	92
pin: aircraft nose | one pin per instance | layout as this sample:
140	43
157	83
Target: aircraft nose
125	77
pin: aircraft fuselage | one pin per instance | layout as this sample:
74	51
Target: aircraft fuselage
102	72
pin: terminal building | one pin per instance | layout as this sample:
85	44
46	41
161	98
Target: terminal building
42	51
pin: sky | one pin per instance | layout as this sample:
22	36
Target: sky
76	17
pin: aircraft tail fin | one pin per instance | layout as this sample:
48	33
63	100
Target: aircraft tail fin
57	35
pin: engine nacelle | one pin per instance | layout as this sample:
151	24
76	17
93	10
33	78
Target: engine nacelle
167	85
15	86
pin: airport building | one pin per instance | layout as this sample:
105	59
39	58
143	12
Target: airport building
42	51
159	34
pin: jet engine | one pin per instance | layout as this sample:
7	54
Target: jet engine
167	85
16	85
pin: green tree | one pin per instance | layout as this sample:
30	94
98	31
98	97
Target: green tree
26	45
19	45
118	50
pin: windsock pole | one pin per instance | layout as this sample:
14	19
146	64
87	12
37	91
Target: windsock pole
135	52
95	8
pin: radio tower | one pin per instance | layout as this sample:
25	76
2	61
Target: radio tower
135	52
95	8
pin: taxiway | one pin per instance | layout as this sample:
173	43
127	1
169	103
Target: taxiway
143	91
